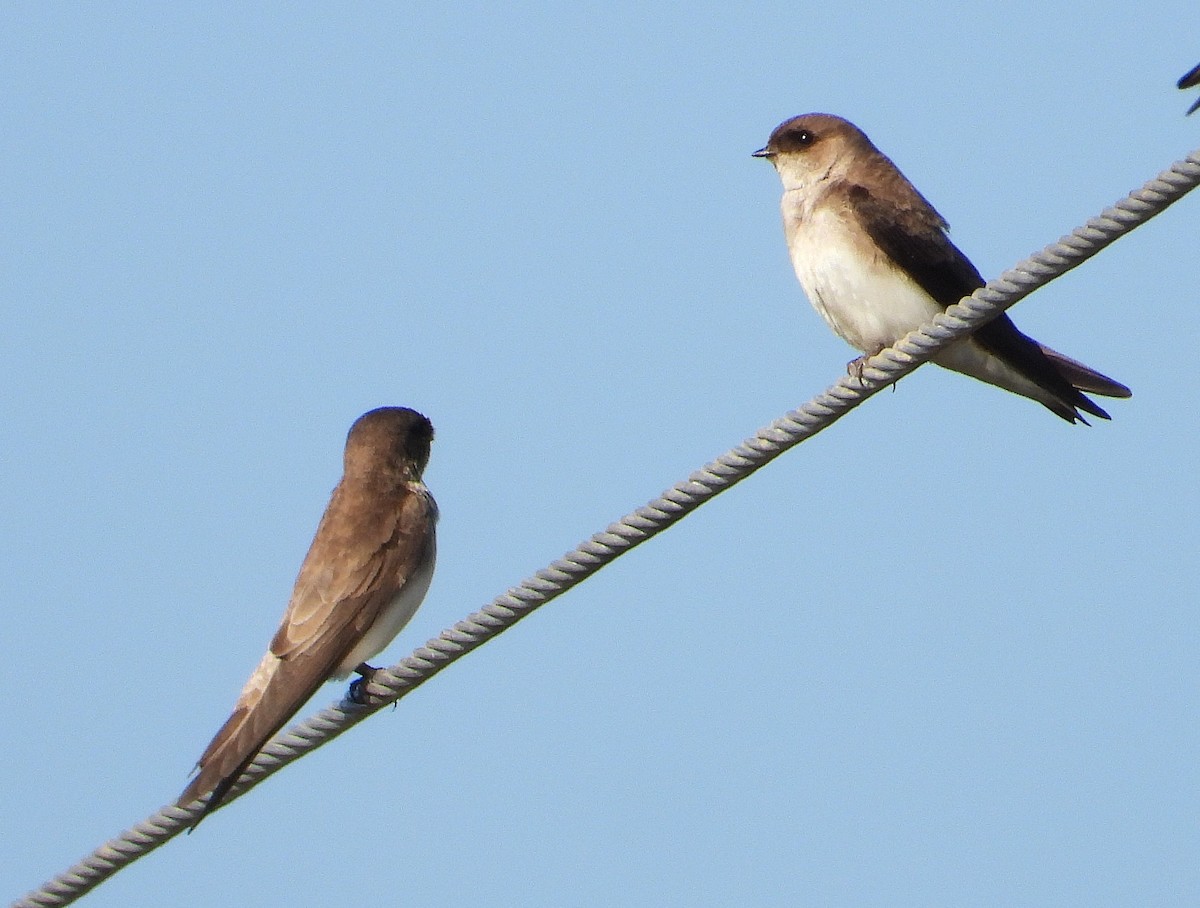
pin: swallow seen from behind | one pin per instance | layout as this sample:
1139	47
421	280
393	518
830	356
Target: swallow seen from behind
875	261
365	574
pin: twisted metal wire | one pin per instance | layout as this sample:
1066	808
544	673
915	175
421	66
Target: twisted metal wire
887	367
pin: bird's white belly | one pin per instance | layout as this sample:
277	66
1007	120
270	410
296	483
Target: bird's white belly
865	298
392	619
397	613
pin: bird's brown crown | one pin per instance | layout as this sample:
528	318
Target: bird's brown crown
389	440
809	131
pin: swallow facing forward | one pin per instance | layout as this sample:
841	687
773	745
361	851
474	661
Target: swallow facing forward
875	261
365	574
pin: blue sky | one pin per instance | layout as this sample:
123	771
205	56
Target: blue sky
943	654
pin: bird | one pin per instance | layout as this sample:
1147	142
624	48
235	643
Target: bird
875	260
367	571
1191	79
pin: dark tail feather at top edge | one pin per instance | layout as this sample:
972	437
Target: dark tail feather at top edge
1084	378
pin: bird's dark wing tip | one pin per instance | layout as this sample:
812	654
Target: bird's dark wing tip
1191	79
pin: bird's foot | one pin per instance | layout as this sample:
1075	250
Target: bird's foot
357	693
854	368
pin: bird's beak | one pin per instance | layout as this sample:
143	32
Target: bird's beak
763	152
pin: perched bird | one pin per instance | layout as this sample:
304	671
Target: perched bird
1190	80
875	261
365	574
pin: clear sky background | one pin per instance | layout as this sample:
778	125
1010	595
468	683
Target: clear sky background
946	653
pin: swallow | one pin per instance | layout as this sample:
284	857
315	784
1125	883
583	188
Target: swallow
365	574
874	259
1191	79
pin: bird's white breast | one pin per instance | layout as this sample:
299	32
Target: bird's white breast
869	301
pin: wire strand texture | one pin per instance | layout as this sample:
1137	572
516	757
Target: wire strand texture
881	370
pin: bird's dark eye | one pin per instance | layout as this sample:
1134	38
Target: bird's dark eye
804	138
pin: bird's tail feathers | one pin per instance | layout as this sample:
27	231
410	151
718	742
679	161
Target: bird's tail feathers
1083	377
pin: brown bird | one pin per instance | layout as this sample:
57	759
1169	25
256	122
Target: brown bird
1190	80
874	259
365	574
